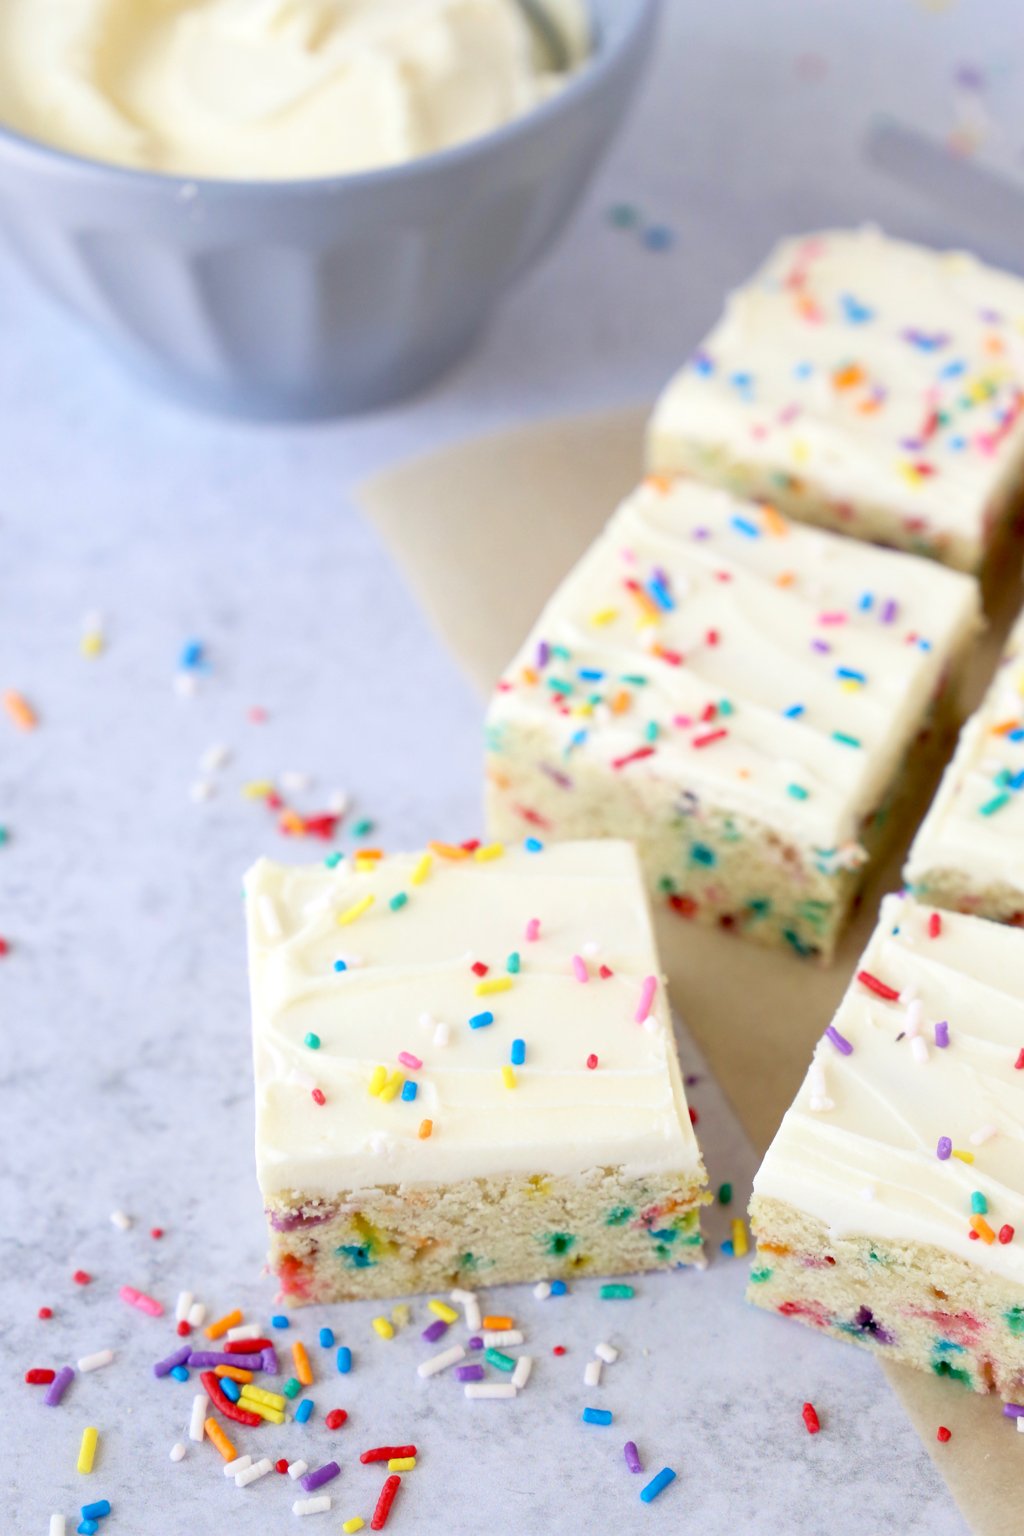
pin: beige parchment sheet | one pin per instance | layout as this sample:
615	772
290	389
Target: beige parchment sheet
483	532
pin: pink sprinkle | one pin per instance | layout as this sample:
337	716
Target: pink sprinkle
643	1007
533	930
141	1301
579	968
409	1060
831	618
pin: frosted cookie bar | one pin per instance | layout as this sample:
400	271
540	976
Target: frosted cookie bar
465	1072
864	384
969	852
890	1207
734	693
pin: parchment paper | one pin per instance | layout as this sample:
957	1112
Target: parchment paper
483	532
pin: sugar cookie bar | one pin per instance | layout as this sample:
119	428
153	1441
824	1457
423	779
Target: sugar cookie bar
864	384
465	1072
734	693
889	1209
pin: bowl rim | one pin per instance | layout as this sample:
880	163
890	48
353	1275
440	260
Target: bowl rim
585	82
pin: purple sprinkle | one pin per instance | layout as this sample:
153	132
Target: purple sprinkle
822	646
839	1041
543	655
165	1367
436	1331
890	608
325	1474
58	1386
270	1361
700	534
944	1150
476	1342
632	1456
469	1373
942	1034
208	1358
1013	1410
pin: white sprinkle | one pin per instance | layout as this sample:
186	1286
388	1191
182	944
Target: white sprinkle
214	758
1020	1425
296	1468
201	790
541	1290
427	1021
590	948
312	1506
592	1373
58	1525
908	994
196	1315
257	1470
919	1050
270	917
651	1024
461	1297
442	1034
868	1192
240	1463
178	1451
521	1375
122	1222
337	802
294	782
186	684
982	1134
442	1361
243	1331
820	1102
606	1352
490	1389
197	1423
471	1315
93	1362
915	1015
183	1306
499	1339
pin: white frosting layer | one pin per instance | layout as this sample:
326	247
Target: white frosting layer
267	89
879	372
786	680
976	822
864	1161
409	971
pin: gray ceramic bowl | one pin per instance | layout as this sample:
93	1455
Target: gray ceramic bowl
311	298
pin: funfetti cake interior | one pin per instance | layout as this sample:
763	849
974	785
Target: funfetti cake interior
889	1209
736	694
969	852
465	1072
864	384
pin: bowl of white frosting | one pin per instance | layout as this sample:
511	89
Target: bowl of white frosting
296	208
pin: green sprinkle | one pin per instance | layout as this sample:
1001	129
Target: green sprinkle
995	804
292	1387
725	1194
700	853
847	741
313	1041
363	828
616	1292
1014	1320
943	1368
559	685
623	216
503	1362
979	1205
759	1276
666	884
512	964
634	678
797	791
4	835
333	859
651	730
398	902
619	1216
562	652
559	1242
726	707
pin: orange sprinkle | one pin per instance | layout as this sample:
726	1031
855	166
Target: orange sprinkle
776	524
426	1127
983	1229
994	345
291	821
869	406
233	1373
303	1369
370	853
20	710
499	1322
530	675
848	377
620	702
220	1327
785	578
220	1439
1005	727
662	483
448	851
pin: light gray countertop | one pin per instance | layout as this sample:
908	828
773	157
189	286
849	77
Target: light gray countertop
126	1079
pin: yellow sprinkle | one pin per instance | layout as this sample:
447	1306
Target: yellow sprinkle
965	1157
382	1327
355	1524
508	1076
378	1077
421	871
401	1463
493	984
488	852
426	1129
604	616
303	1369
258	789
443	1310
391	1087
217	1437
356	910
87	1449
801	451
401	1315
261	1395
850	685
983	1229
271	1415
91	644
739	1238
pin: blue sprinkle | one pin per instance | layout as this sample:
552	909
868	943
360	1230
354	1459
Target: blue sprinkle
700	362
97	1510
408	1090
794	711
659	238
179	1372
954	370
87	1528
558	1287
1017	734
533	845
744	526
481	1020
661	594
304	1410
1016	780
518	1053
866	602
326	1338
657	1485
727	1248
340	965
803	370
857	314
596	1415
590	674
231	1389
191	654
344	1359
280	1321
851	675
744	382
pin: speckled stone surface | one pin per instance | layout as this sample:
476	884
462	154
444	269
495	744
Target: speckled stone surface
125	1070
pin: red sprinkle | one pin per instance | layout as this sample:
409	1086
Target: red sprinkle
880	988
387	1453
1019	1063
943	1434
384	1503
934	925
694	1117
973	1235
156	1232
39	1377
711	638
479	969
318	1096
45	1313
336	1418
246	1346
604	973
222	1402
811	1419
1006	1234
5	948
80	1277
632	757
559	1349
591	1061
708	738
184	1329
282	1465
